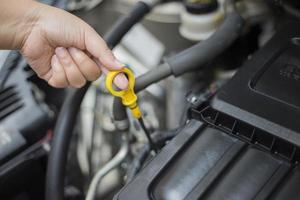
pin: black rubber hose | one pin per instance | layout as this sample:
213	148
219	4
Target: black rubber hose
198	55
67	117
122	26
203	52
119	111
160	73
60	144
192	58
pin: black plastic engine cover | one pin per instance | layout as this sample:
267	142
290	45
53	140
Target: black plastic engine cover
265	92
24	118
244	144
24	121
206	163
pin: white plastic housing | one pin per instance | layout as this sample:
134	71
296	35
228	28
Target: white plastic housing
198	27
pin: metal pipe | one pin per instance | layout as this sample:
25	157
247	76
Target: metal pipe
112	164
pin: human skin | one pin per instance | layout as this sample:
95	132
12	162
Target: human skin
61	48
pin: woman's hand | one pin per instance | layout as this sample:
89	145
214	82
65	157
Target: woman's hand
61	48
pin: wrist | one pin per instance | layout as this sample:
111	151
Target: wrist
19	17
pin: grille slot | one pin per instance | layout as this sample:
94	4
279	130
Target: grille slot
9	101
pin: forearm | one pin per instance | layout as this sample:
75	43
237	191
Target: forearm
17	17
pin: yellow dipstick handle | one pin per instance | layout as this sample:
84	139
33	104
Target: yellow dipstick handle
128	96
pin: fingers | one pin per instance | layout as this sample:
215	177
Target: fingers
73	74
120	80
73	67
98	48
105	58
90	70
58	78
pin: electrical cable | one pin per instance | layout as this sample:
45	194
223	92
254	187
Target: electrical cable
67	117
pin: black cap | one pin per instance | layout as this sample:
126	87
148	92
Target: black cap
201	6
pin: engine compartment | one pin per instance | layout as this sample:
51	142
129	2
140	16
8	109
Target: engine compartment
232	148
27	115
219	96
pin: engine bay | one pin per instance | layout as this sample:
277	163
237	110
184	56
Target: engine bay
224	152
217	84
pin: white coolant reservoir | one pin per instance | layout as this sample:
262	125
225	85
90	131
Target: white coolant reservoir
200	19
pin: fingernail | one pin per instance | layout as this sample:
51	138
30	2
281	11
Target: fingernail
121	81
60	52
